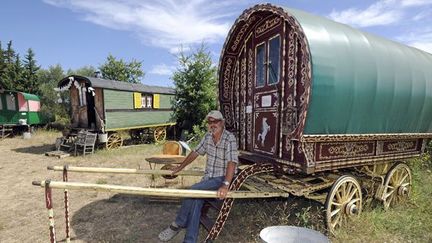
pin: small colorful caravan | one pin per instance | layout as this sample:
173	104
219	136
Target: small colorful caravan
18	111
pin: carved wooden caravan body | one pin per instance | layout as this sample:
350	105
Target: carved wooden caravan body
318	95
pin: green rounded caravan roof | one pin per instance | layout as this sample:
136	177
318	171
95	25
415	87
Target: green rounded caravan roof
362	83
26	96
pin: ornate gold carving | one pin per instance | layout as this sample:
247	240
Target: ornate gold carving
249	125
226	77
241	33
236	92
267	25
401	146
309	152
227	115
292	59
348	149
250	71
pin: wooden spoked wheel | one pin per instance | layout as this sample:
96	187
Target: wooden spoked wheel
168	167
159	134
114	141
397	185
343	201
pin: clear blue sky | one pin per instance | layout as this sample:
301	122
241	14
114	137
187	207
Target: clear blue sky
75	33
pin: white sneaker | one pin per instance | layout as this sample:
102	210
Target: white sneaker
169	233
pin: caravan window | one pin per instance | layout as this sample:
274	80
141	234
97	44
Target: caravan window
147	101
82	96
10	102
273	67
260	65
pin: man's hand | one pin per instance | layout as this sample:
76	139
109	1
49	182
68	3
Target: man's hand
176	170
222	192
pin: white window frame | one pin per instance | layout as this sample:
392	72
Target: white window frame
11	101
149	101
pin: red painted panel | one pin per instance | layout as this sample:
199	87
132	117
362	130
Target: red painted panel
22	103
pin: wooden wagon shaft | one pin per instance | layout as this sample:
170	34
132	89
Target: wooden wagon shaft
157	192
124	171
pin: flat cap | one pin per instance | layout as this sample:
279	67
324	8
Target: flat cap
215	115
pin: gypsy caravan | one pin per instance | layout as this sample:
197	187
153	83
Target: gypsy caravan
315	97
18	112
106	107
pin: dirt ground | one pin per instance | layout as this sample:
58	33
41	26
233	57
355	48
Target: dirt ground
109	217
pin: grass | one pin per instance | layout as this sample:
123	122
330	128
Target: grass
410	222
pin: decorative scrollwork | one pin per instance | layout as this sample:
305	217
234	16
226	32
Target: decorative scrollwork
227	77
401	146
242	32
267	25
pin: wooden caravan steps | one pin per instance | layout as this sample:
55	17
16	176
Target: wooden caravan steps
252	184
311	187
211	204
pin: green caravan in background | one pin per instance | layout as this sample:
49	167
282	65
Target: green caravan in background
19	111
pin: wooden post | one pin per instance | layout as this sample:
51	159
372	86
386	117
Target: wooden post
66	204
125	171
49	206
156	192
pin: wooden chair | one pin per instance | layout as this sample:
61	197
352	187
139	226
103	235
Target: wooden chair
85	141
172	148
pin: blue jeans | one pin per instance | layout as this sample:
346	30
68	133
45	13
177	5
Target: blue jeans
190	211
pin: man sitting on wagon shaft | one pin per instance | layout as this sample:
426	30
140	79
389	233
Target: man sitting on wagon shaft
222	158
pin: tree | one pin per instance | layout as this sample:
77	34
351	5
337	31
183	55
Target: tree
7	67
195	87
51	109
30	79
87	71
15	73
122	71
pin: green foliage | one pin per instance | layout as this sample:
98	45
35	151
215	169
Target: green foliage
51	109
10	67
195	88
29	82
122	71
87	71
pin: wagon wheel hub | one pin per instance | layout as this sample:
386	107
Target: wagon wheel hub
351	208
403	191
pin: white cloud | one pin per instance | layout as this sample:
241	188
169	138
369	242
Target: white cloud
421	39
162	23
404	14
162	69
409	3
422	15
384	12
380	13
